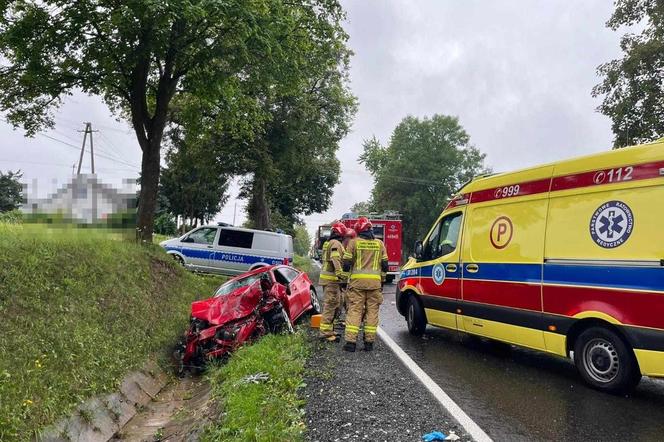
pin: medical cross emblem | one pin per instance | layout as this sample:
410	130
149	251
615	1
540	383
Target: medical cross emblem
611	224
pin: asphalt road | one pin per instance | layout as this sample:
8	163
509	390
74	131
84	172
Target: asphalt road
518	394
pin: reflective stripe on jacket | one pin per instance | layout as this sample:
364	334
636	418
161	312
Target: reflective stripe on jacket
365	256
332	270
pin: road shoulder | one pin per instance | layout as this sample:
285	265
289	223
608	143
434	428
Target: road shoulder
369	396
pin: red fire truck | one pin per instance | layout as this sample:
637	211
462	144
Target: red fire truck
386	227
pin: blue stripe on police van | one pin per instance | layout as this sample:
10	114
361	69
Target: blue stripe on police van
226	256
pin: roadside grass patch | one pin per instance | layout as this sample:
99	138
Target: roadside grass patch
265	411
302	263
80	309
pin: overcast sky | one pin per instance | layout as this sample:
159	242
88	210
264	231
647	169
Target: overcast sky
518	74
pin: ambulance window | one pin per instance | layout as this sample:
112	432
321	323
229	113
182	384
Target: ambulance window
450	227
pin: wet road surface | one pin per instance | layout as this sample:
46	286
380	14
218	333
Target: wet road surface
518	394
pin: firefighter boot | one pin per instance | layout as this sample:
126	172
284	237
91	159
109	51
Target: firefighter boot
368	346
349	346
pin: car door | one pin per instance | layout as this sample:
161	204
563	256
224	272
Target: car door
440	271
288	278
198	247
300	289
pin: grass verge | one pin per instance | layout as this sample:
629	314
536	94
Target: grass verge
266	411
79	310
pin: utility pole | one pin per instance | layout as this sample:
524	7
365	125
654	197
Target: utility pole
234	211
88	130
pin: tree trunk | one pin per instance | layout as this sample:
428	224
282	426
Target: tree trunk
260	206
147	201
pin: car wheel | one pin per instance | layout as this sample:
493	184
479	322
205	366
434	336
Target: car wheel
415	317
605	361
179	260
315	302
288	324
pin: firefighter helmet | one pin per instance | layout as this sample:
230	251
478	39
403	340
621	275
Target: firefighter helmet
362	225
339	229
351	233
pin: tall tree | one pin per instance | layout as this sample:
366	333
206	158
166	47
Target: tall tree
290	164
425	162
140	56
11	190
633	87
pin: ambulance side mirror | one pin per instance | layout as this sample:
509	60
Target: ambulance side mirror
418	249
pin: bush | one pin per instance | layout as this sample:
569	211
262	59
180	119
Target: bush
164	224
11	217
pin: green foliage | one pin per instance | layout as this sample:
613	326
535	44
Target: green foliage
291	155
270	411
144	56
362	207
75	320
633	87
301	240
303	263
11	191
425	162
194	183
164	224
11	217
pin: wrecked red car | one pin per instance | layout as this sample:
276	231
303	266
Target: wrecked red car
266	300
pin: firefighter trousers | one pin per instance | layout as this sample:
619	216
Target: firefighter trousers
362	302
331	301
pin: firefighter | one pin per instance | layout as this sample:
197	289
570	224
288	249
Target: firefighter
343	305
366	260
331	278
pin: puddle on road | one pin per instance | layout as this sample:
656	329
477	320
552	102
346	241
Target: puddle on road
178	413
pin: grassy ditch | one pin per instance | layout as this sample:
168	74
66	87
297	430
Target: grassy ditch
79	310
264	411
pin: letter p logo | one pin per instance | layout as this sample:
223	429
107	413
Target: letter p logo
501	232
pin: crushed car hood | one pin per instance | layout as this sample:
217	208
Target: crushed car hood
235	305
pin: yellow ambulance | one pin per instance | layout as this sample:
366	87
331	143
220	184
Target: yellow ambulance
566	258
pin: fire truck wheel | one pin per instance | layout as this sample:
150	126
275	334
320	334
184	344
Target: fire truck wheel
605	361
415	317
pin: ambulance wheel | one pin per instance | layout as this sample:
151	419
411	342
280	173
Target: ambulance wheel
415	317
605	361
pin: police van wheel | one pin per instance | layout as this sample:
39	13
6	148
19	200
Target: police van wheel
179	260
605	361
415	317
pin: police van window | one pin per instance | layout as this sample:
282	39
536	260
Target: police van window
204	235
236	238
450	227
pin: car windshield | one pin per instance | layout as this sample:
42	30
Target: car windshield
235	284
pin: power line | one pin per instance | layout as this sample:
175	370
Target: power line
65	143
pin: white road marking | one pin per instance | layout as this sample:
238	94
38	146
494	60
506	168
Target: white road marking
457	413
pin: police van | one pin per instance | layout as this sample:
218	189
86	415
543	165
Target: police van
229	250
566	258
